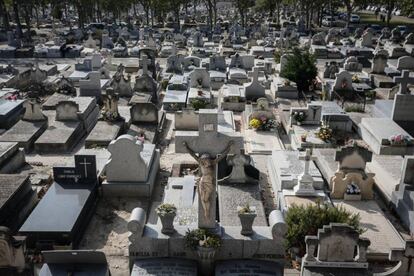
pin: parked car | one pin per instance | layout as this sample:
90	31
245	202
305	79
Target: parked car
328	21
355	18
377	28
403	29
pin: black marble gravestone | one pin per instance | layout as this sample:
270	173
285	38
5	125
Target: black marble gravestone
62	215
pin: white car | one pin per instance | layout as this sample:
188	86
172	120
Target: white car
354	18
328	21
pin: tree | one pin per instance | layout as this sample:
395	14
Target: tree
306	220
242	7
300	68
5	15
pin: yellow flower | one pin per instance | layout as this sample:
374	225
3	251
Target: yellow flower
255	123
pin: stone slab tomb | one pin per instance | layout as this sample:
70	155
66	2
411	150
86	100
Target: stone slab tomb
29	128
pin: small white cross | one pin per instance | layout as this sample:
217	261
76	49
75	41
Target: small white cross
85	166
307	158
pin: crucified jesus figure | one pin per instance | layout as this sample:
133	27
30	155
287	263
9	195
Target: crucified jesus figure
207	186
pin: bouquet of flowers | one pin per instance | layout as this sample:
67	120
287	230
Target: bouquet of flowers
299	116
353	189
263	123
355	79
324	133
255	123
399	140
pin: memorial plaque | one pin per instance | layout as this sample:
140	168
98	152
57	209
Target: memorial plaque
154	267
84	170
248	267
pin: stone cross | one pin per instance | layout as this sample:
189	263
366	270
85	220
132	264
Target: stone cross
205	147
255	74
305	181
404	80
85	166
307	158
144	65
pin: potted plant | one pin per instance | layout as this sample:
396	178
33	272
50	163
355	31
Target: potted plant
167	212
247	215
204	242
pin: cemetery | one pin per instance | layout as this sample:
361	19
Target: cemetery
206	138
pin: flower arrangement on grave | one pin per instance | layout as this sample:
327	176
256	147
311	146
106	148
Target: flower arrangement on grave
399	140
255	123
203	238
356	79
324	133
353	189
167	213
166	208
198	104
173	106
246	209
299	117
110	116
263	123
246	215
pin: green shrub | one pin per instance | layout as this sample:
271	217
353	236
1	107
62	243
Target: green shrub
306	220
300	68
355	108
198	104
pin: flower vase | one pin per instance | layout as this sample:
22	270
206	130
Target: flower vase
206	253
246	221
167	222
299	123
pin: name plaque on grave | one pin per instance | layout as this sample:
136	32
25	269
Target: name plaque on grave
248	267
164	267
84	170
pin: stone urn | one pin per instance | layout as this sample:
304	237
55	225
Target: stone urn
247	216
167	212
167	221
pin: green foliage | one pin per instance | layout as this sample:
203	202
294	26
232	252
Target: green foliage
166	208
198	104
300	68
306	220
355	108
277	55
203	238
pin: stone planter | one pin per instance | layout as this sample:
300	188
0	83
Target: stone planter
352	197
167	222
206	253
246	220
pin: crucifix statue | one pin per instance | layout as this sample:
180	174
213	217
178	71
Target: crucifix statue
207	186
